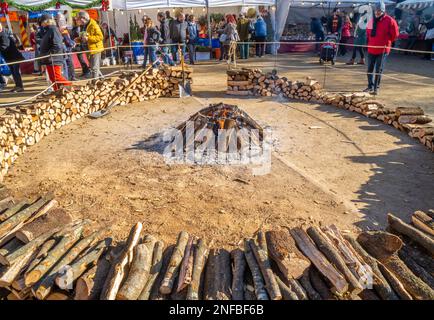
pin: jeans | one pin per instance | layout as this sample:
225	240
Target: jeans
222	50
360	50
152	53
192	52
260	47
343	46
16	74
411	42
83	64
167	59
319	37
145	56
95	64
70	65
244	50
174	49
375	64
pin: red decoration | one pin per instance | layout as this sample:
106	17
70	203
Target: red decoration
58	5
4	7
105	4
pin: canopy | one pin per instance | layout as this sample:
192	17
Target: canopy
415	4
37	5
150	4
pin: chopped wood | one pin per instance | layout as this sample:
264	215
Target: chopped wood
156	267
258	280
200	257
320	285
13	210
238	270
11	246
394	282
419	271
423	222
287	293
186	268
311	292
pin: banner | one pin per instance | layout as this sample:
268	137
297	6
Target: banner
13	17
38	14
93	13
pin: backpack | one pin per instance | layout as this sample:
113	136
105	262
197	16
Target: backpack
4	69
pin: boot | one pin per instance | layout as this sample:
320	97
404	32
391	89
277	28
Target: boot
351	62
362	61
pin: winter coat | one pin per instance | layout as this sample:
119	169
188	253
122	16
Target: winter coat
346	30
165	31
178	31
95	37
243	28
231	32
192	31
387	32
52	44
8	48
153	36
260	28
360	36
316	27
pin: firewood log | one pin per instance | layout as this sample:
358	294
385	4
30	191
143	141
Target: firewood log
395	283
64	244
421	257
331	252
156	267
12	272
174	264
400	111
283	250
304	281
320	285
416	235
287	293
186	267
155	291
414	285
61	275
43	224
6	203
419	271
380	283
117	272
258	280
423	222
222	276
306	245
267	273
11	246
138	274
414	119
12	210
368	294
200	257
238	270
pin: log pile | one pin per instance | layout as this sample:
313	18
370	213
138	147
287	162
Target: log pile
77	260
21	127
174	74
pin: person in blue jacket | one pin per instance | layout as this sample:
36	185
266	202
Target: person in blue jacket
260	36
317	29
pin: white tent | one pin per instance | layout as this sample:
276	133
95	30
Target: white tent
150	4
415	4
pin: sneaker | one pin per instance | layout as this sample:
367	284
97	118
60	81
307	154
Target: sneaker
374	92
362	61
368	90
17	89
351	62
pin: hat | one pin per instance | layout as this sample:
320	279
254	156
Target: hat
380	6
45	17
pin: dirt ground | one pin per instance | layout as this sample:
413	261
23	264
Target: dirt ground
328	165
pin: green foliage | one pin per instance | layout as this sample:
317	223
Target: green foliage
51	4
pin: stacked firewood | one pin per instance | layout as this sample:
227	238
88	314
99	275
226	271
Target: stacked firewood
21	127
240	82
174	74
46	255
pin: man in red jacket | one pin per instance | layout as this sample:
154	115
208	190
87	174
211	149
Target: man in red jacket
381	31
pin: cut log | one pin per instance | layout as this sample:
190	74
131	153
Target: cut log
380	283
223	275
90	284
419	271
11	246
65	243
13	210
319	284
13	271
174	264
267	273
395	283
379	244
155	291
156	267
416	235
421	257
414	119
307	286
416	111
138	274
200	257
423	222
306	245
6	203
258	280
331	252
283	250
186	267
62	273
287	293
238	270
43	224
117	272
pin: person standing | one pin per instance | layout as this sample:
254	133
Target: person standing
79	48
260	36
33	43
334	22
178	32
429	37
381	31
94	39
192	36
11	54
52	46
345	35
144	32
317	29
69	46
243	28
359	41
165	37
412	31
222	37
153	38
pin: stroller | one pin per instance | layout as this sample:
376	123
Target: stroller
329	49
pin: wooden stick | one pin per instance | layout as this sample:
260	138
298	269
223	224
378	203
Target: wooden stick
258	280
419	271
306	245
423	222
395	283
319	284
173	269
307	286
184	278
200	257
12	211
287	293
418	236
238	270
156	267
223	275
265	266
155	291
117	272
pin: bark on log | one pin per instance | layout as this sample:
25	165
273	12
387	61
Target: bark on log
238	270
283	250
267	273
395	283
11	246
423	222
319	284
59	274
138	274
186	267
13	210
6	203
174	264
307	286
380	244
297	288
156	267
369	295
306	245
155	291
210	271
223	275
287	293
200	257
43	224
258	280
421	257
117	272
424	275
416	235
380	283
13	271
331	252
65	243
